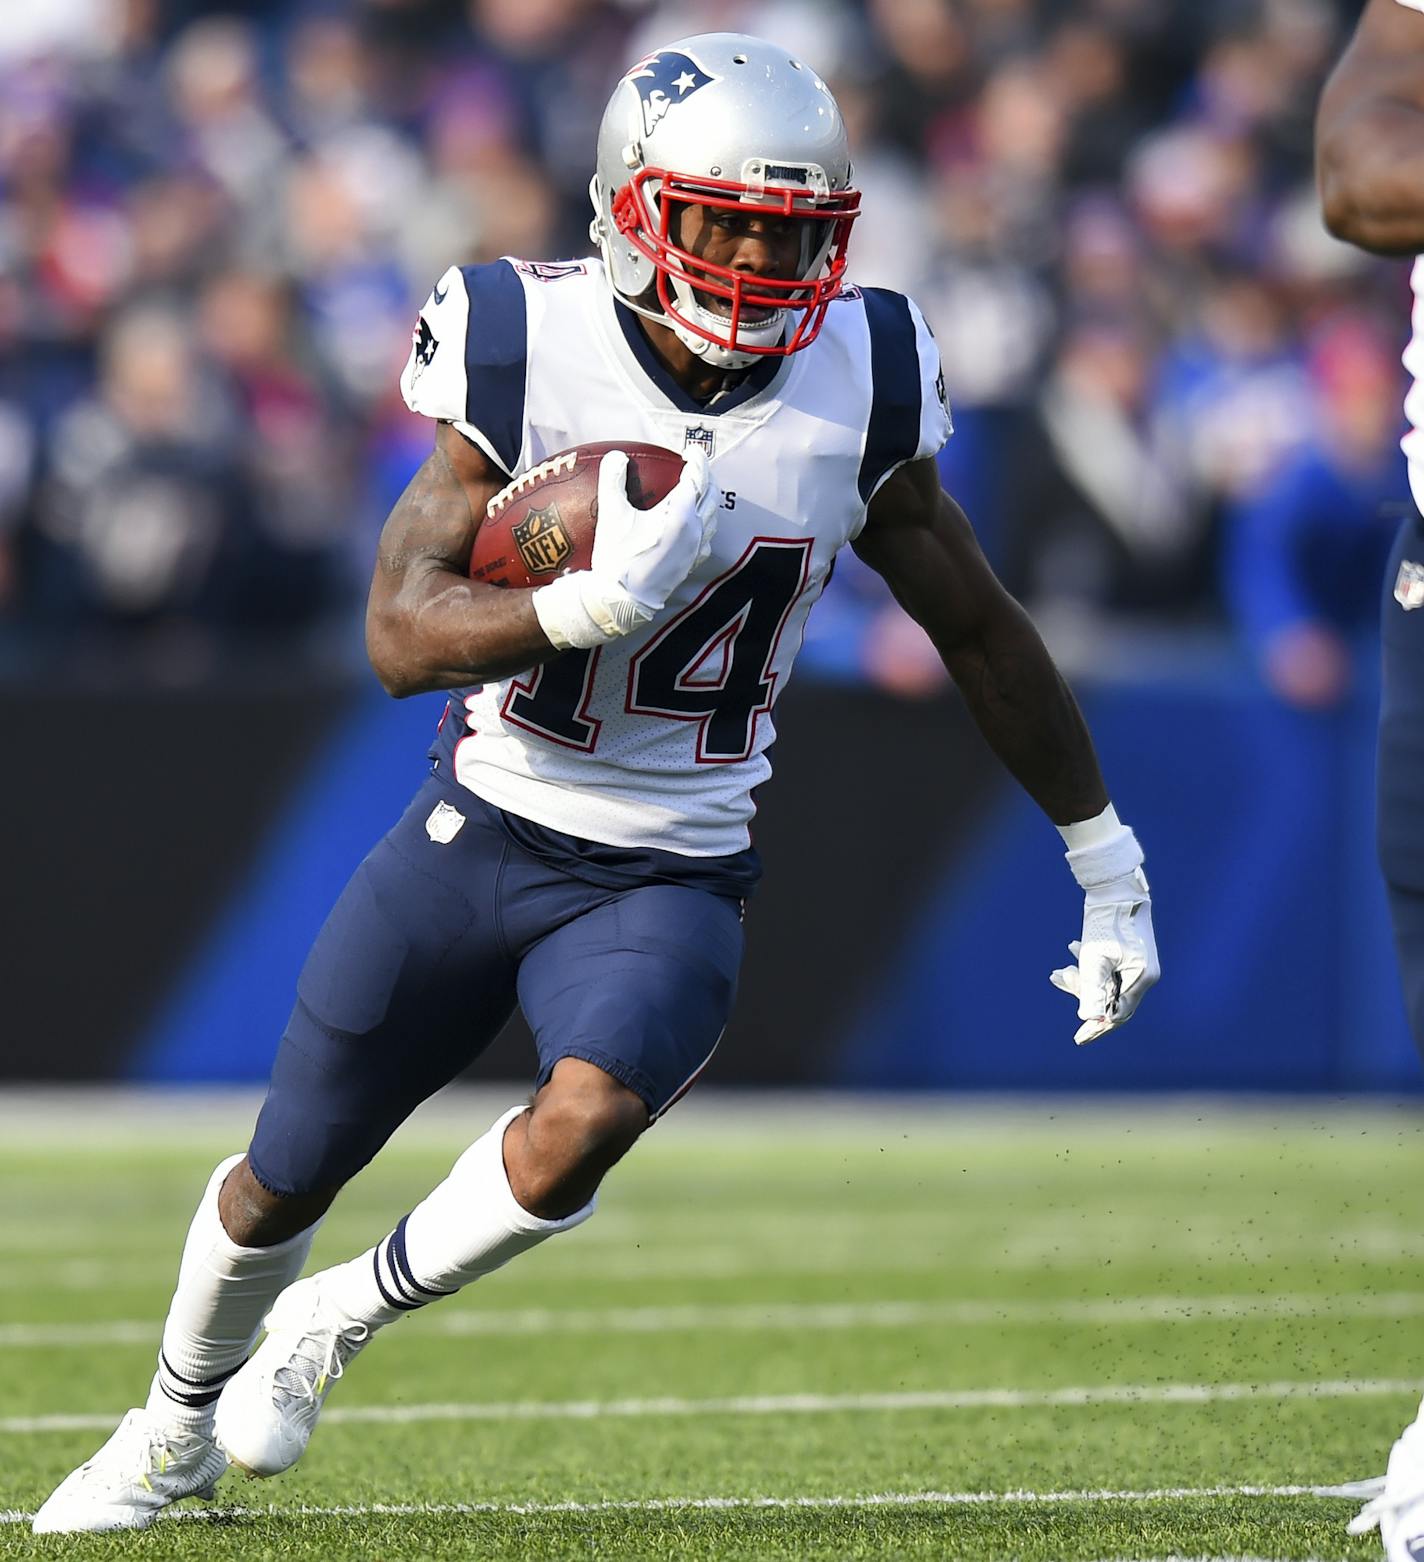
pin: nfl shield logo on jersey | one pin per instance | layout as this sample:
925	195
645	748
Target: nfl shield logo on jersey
542	541
444	823
1409	588
706	437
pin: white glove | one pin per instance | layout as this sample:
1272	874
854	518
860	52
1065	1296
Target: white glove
1117	954
640	557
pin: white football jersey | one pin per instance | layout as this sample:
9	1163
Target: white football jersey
659	739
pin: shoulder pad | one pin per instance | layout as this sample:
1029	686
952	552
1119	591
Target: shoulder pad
909	411
467	358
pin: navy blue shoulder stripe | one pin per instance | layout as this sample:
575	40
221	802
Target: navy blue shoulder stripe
893	434
496	345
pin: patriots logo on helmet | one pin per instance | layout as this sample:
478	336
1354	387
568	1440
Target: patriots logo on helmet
664	80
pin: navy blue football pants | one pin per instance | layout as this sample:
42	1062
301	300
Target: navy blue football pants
1401	774
424	957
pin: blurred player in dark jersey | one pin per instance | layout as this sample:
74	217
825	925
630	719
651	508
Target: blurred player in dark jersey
1370	156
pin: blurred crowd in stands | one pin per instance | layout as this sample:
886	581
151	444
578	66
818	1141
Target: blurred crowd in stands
1177	400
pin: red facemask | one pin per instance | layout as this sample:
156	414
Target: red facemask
633	213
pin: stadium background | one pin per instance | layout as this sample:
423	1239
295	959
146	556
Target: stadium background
1177	405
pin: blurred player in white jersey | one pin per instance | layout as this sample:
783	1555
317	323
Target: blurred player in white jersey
581	846
1370	158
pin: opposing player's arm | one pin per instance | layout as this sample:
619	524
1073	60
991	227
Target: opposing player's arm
428	625
1370	133
919	540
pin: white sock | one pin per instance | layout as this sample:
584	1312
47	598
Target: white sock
467	1227
222	1295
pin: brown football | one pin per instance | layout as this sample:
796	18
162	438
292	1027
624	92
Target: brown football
542	524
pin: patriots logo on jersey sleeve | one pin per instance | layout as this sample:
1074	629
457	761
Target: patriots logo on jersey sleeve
663	81
425	349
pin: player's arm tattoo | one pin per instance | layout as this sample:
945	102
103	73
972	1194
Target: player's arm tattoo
921	542
428	625
1370	134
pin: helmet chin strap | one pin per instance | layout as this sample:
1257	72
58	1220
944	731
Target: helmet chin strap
711	352
717	354
714	353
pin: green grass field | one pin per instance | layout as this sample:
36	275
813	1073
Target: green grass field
792	1330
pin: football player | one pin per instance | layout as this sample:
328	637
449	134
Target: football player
581	845
1370	160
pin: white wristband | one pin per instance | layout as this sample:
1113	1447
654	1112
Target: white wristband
1100	849
1090	832
564	618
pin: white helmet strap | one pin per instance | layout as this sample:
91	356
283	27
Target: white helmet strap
765	333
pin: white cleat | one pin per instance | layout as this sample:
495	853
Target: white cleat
143	1467
268	1410
1399	1508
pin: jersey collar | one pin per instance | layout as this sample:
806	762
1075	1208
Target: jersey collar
752	383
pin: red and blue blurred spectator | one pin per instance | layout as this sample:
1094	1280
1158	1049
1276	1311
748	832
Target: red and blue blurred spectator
1305	552
216	222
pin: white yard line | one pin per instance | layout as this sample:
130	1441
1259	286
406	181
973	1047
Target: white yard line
804	1404
32	1336
87	1117
920	1499
76	1264
758	1316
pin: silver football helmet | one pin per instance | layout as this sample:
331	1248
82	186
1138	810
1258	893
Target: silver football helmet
731	122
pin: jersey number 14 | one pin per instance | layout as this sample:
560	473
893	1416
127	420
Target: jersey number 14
711	664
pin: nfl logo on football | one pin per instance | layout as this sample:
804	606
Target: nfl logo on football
1409	587
542	541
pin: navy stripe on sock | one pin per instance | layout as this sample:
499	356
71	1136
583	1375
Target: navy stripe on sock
194	1392
218	1379
396	1278
193	1401
401	1263
393	1301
